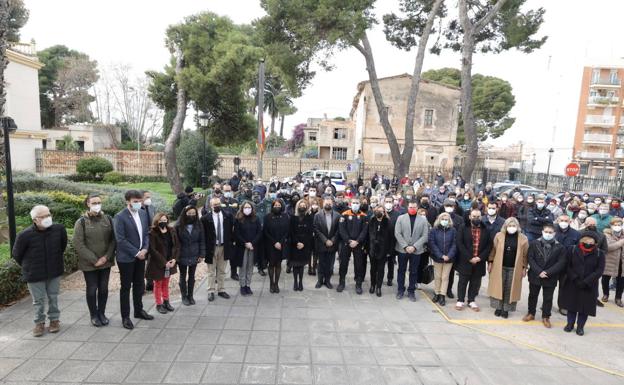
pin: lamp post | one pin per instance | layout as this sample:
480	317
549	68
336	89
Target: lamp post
8	126
204	121
550	154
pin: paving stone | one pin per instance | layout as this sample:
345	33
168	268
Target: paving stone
295	374
368	375
182	322
400	375
358	356
261	355
261	337
23	348
436	376
145	372
324	339
228	353
294	355
58	350
72	371
222	373
234	337
258	374
203	337
33	370
294	338
212	323
8	364
128	352
195	353
239	323
77	333
111	371
330	375
323	356
390	356
160	353
94	351
172	336
185	373
272	324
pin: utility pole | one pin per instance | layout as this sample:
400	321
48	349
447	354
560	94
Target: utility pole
260	116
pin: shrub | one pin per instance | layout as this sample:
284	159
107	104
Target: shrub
63	197
190	157
113	177
95	167
11	285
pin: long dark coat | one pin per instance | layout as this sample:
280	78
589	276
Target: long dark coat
301	230
380	236
464	251
554	266
192	245
580	290
245	230
157	256
276	229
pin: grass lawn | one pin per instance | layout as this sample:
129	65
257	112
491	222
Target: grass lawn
161	188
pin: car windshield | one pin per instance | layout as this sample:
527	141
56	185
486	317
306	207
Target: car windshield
336	175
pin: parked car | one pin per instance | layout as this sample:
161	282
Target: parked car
592	195
526	191
338	178
501	187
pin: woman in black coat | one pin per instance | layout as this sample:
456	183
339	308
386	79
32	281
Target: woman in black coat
192	249
380	238
580	290
247	233
164	250
276	228
301	239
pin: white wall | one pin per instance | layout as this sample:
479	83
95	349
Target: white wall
23	96
23	153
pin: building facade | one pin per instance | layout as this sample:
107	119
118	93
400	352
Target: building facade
599	138
334	138
435	123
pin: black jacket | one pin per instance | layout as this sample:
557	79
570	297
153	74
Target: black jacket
322	234
275	230
353	227
580	290
192	245
380	237
210	236
301	230
536	219
464	251
553	267
248	230
40	252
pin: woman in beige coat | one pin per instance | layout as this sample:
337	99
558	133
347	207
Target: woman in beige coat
614	261
507	266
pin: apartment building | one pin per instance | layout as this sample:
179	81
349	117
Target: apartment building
599	138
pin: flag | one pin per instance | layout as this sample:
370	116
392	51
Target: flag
261	139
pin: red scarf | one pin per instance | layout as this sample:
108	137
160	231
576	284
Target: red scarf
585	250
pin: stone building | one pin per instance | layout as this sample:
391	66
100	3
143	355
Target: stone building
334	138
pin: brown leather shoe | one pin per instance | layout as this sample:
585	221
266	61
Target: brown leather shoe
528	317
55	326
39	329
546	322
605	298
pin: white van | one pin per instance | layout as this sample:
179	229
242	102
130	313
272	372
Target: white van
338	178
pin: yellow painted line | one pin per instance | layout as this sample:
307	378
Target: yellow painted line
522	323
527	345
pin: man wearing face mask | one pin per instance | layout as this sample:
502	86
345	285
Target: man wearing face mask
131	233
218	226
432	212
506	207
340	204
393	215
326	224
187	198
379	236
614	261
568	238
616	208
492	221
602	217
411	232
547	260
537	217
353	231
38	249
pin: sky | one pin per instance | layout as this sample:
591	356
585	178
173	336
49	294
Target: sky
546	83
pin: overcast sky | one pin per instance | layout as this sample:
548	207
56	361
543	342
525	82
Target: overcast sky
546	83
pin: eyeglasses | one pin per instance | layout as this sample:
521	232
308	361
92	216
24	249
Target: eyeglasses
44	216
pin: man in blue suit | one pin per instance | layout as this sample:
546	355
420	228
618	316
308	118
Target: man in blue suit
131	233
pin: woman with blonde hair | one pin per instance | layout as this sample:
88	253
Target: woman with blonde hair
443	249
507	266
301	240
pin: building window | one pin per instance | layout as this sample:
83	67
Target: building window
428	118
312	136
339	153
340	133
595	75
44	144
613	77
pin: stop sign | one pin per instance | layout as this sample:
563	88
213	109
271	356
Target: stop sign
572	169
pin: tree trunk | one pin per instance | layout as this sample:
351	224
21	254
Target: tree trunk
282	127
470	132
4	24
366	50
272	125
408	149
178	122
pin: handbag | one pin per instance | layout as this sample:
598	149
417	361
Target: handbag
426	275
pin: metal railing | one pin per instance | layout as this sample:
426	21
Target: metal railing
600	138
600	119
603	100
606	81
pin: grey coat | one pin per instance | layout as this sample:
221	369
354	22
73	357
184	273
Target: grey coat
406	237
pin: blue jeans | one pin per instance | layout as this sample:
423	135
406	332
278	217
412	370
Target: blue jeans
414	261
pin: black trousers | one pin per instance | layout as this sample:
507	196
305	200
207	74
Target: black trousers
547	299
131	275
562	281
97	290
359	263
187	285
326	262
619	284
377	267
474	280
451	280
391	259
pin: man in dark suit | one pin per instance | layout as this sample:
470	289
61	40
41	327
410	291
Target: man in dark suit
131	233
326	224
218	226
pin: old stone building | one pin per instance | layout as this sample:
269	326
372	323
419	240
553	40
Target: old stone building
334	138
435	124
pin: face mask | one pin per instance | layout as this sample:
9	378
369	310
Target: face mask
512	229
448	209
582	216
355	207
95	208
272	195
191	217
412	211
452	200
312	194
216	209
162	225
591	228
379	214
603	211
424	203
247	211
136	206
591	211
302	210
616	229
551	207
217	191
563	225
255	199
314	208
327	207
396	202
504	199
491	212
46	222
444	223
597	202
475	221
227	194
348	192
408	197
276	210
147	202
373	204
388	206
547	236
364	207
585	199
540	206
466	198
529	200
520	199
588	246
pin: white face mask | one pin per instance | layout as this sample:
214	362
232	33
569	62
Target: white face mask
591	211
616	228
227	194
247	211
147	202
448	209
582	216
512	229
388	206
46	222
491	212
373	205
312	194
564	225
95	208
547	236
603	211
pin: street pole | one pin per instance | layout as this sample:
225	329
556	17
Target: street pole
8	125
204	177
260	114
550	154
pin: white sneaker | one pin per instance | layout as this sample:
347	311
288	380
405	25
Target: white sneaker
459	306
473	305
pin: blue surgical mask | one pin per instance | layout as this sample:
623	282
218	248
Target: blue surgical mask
355	207
136	206
444	223
548	236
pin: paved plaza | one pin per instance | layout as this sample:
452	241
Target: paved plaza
310	337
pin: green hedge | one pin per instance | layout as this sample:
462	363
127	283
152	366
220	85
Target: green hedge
124	178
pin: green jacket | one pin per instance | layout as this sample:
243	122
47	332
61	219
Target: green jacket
94	238
602	222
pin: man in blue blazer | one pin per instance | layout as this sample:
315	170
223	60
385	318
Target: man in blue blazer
131	233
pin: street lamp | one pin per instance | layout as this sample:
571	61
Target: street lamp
8	126
550	154
204	121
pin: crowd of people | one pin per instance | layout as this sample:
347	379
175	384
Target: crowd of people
430	230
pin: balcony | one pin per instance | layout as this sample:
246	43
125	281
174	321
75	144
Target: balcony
594	155
600	120
619	153
605	82
598	138
622	121
602	100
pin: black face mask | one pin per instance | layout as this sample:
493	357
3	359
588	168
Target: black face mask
588	246
379	215
302	210
276	210
217	191
424	204
162	225
191	218
475	222
327	207
591	228
294	200
248	194
364	207
256	200
216	209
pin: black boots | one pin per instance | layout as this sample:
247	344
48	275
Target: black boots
341	285
167	305
441	300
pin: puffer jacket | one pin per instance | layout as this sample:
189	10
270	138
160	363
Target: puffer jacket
192	245
614	256
40	252
442	242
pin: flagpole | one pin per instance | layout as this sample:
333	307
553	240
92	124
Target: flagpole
260	116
